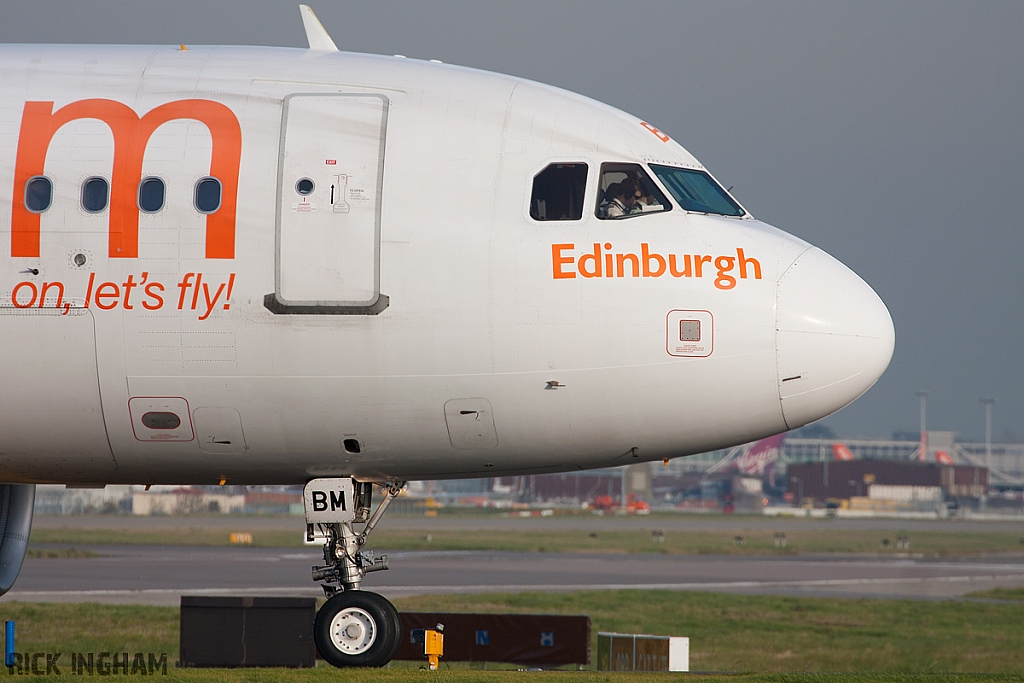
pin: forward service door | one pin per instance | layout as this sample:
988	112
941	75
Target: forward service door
329	205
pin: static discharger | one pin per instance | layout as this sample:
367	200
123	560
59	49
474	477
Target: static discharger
433	645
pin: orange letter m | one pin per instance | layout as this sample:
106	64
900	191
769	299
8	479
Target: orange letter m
131	134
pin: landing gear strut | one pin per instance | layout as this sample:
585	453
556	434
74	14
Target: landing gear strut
354	627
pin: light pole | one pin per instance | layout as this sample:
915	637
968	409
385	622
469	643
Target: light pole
988	430
923	395
622	486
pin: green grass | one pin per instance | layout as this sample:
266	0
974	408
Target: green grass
1000	594
766	633
184	535
322	675
717	542
327	675
772	635
53	627
59	553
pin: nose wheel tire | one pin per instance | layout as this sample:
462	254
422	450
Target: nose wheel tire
355	628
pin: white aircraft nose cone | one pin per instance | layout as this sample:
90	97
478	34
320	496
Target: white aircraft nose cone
834	337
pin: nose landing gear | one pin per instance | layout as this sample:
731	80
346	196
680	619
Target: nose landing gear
354	627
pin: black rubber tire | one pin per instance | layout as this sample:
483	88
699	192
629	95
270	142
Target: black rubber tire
376	624
397	621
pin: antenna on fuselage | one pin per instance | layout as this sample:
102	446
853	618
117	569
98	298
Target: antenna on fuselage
316	34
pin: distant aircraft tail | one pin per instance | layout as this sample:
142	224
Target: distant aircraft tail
759	455
841	452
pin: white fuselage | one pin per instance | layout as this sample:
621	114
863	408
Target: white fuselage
407	307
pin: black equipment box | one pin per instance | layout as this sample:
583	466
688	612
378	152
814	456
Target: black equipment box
226	632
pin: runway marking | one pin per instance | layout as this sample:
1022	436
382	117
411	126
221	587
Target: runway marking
711	585
516	588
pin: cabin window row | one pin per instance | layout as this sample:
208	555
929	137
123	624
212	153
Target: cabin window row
95	195
625	191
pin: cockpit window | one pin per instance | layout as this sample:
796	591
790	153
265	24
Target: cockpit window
626	191
558	193
697	191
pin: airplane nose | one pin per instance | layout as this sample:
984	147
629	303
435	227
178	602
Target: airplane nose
834	337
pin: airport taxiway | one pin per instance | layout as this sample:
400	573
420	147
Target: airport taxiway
513	522
161	574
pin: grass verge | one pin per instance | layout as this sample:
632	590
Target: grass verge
1000	594
773	635
59	553
736	541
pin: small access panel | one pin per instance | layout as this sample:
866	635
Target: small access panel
470	423
329	205
159	419
219	430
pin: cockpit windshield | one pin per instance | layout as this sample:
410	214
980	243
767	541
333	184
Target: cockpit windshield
697	191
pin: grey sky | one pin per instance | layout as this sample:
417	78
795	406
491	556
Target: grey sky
889	134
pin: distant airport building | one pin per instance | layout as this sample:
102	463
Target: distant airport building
1005	462
743	478
56	499
185	502
579	487
905	481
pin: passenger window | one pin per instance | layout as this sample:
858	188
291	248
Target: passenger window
151	195
626	191
95	193
208	195
558	193
38	194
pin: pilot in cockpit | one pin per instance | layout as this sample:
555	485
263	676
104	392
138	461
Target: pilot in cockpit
647	200
612	206
621	198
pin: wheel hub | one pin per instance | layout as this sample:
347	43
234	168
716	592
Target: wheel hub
353	631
